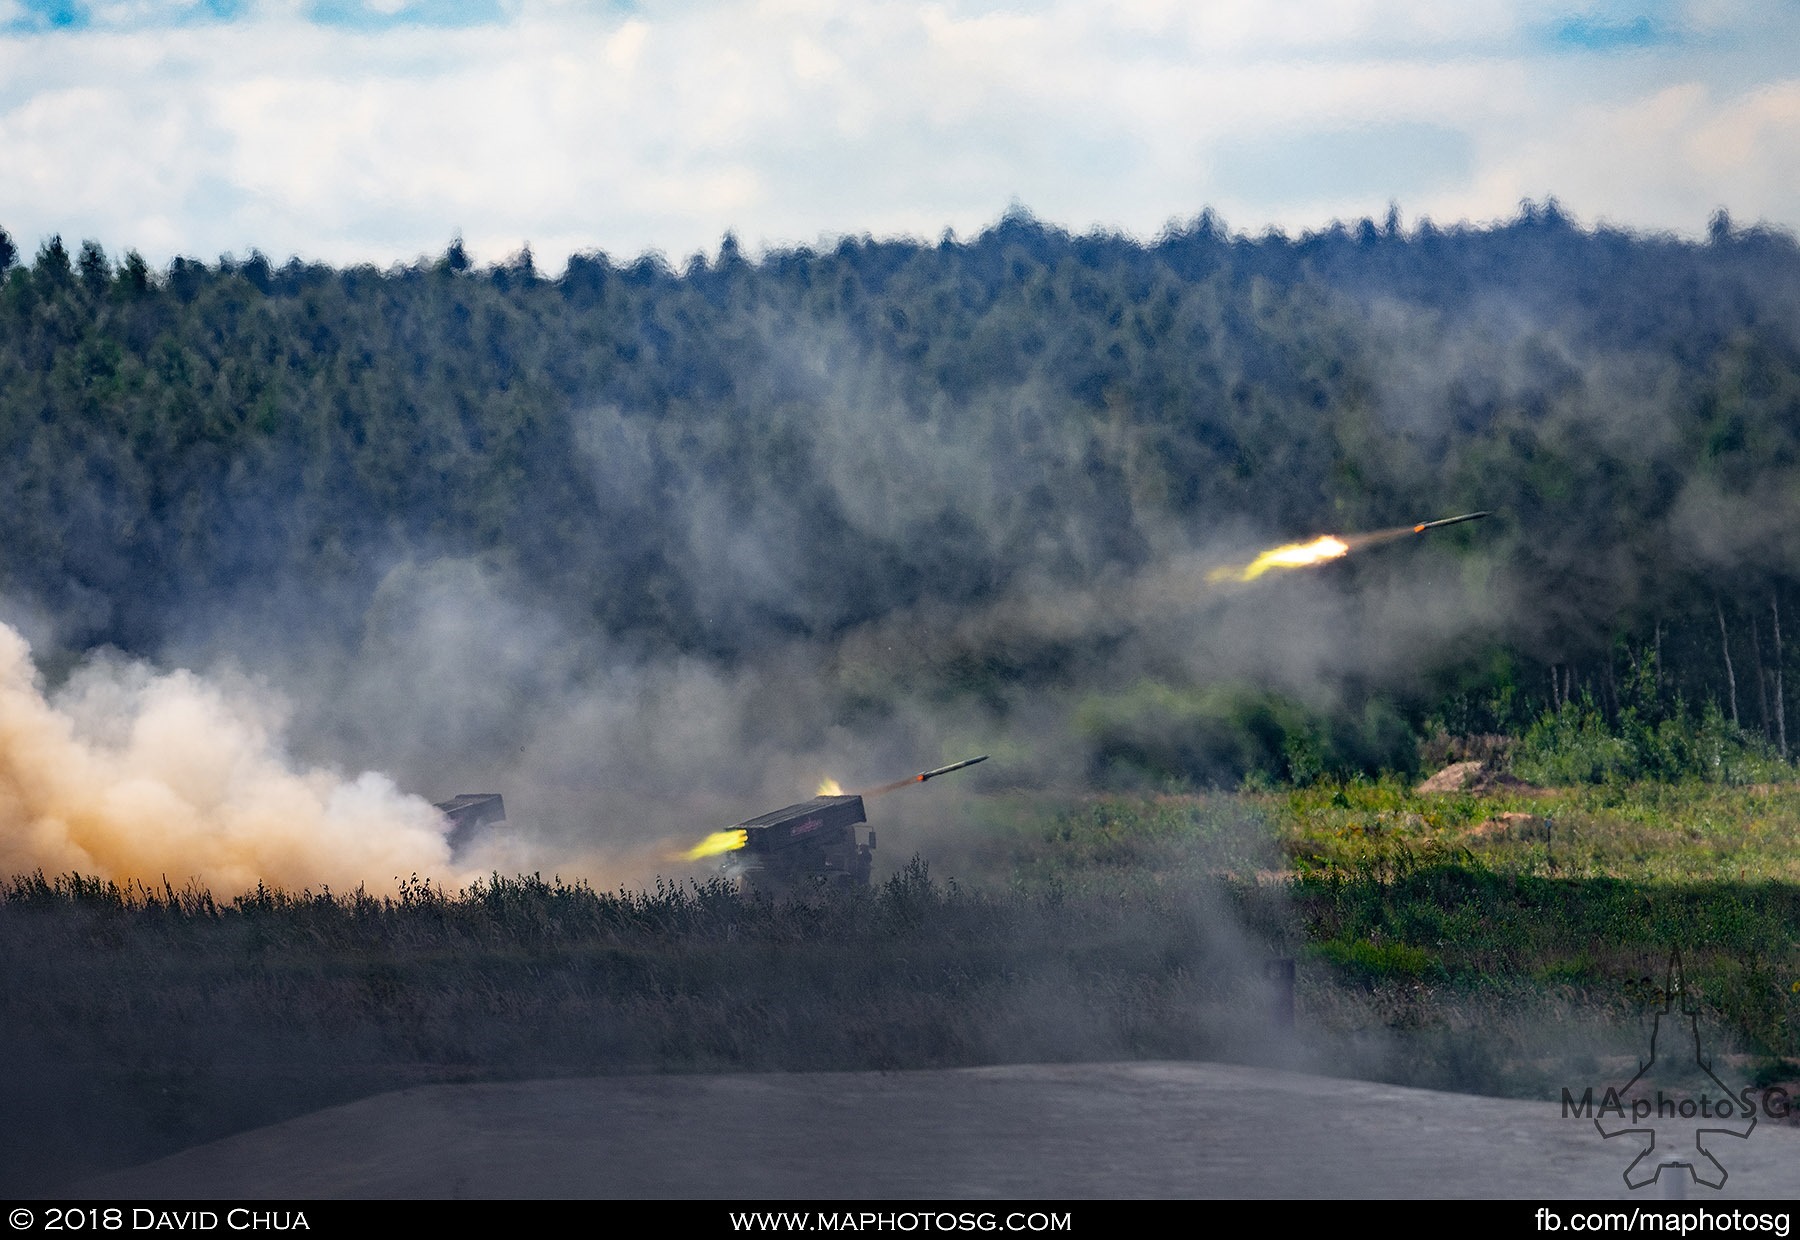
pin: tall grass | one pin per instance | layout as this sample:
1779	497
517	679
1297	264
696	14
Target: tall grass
137	1020
1489	943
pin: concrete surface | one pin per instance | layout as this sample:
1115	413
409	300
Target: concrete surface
1046	1132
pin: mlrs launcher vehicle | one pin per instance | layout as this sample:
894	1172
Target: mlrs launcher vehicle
812	844
468	813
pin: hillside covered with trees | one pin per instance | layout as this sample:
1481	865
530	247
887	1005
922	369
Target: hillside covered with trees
999	445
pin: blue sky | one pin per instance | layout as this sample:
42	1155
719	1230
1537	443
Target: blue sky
27	16
376	130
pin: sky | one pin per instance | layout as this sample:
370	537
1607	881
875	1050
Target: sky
379	130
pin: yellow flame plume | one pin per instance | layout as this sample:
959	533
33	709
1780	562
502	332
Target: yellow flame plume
1293	555
718	842
830	788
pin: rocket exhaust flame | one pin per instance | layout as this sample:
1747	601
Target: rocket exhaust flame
716	843
733	838
1292	555
1329	547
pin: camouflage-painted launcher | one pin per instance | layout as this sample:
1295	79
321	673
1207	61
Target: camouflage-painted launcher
814	843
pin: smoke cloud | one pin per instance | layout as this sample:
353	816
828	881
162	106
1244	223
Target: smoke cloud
134	775
855	515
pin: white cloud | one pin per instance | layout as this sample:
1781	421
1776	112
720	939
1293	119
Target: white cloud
790	119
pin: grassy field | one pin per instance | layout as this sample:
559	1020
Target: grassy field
1502	943
1433	905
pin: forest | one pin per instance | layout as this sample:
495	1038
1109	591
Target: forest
652	547
995	460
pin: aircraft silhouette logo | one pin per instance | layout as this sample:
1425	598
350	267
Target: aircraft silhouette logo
1675	1100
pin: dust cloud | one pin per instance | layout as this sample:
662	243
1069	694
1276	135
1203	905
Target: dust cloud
141	776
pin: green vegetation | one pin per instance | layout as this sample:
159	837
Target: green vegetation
814	446
1155	733
1491	940
892	493
138	1021
1494	943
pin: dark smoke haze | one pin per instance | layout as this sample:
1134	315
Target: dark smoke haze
650	553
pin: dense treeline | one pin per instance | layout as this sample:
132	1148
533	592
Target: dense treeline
713	461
